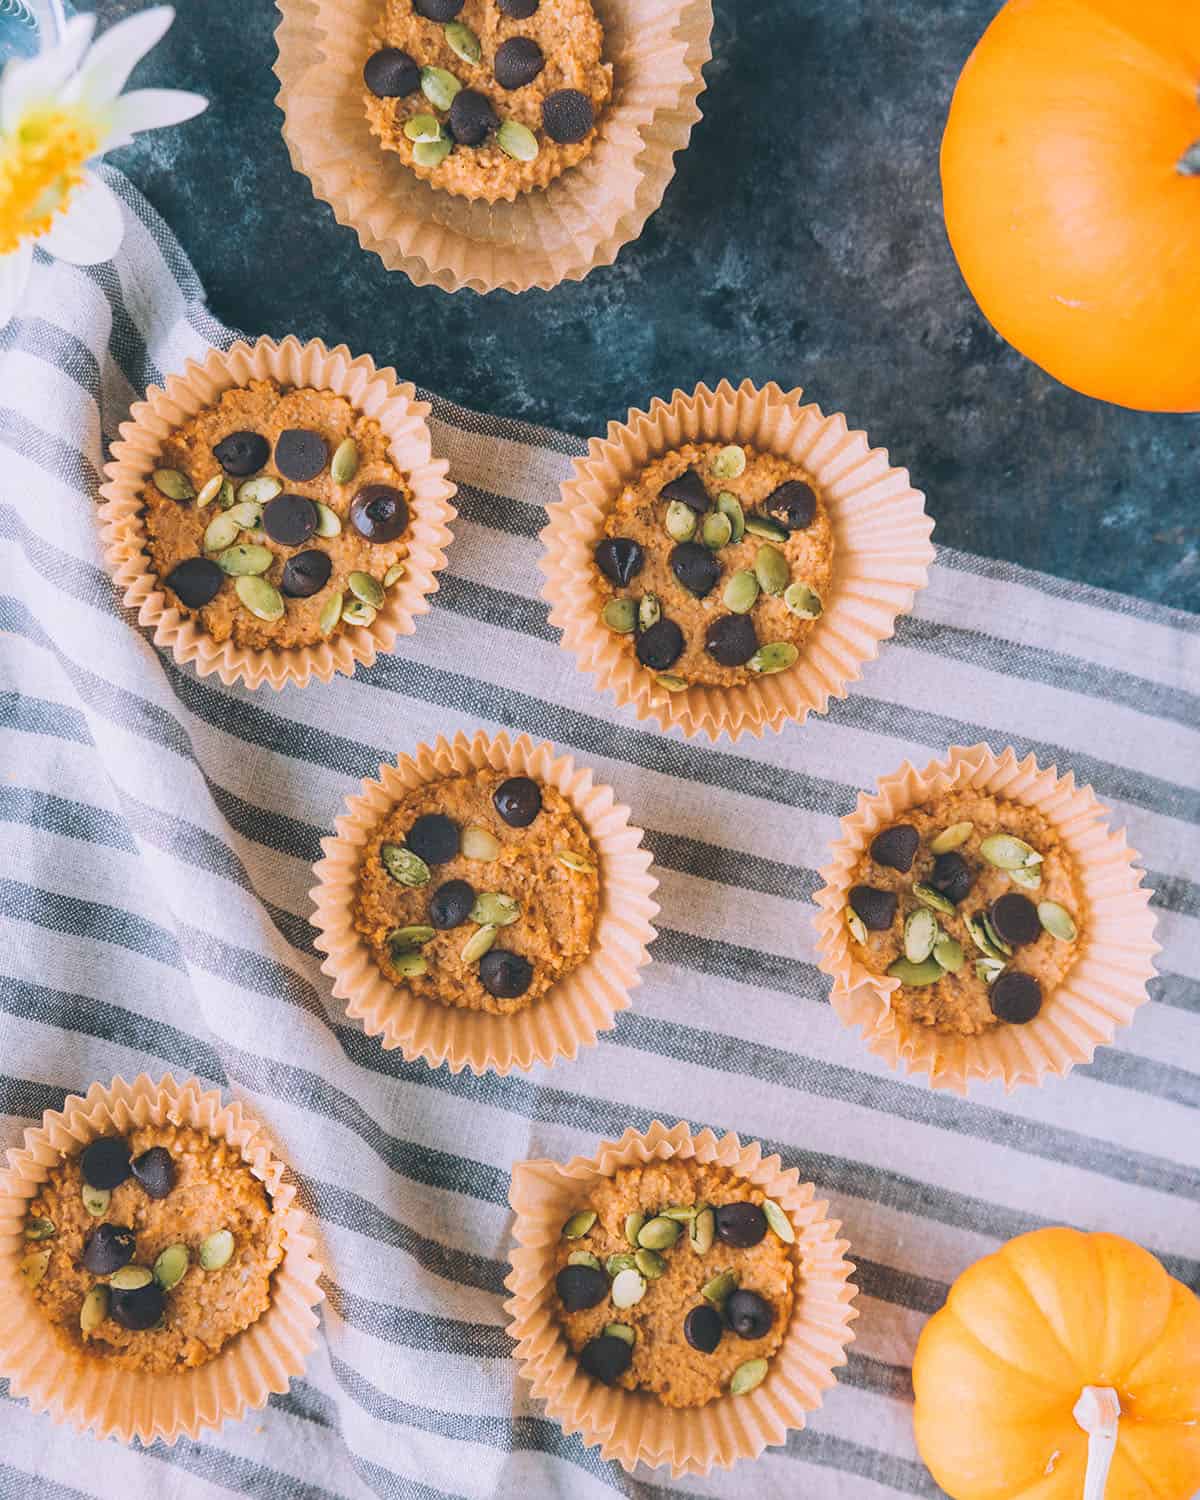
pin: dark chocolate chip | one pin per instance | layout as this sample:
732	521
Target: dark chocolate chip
1015	997
305	574
731	640
108	1249
472	118
434	838
137	1308
518	62
695	567
438	10
242	453
567	116
605	1358
518	801
876	908
740	1224
289	519
580	1287
619	558
391	74
1015	919
379	513
519	10
105	1163
195	582
660	647
750	1316
896	847
300	453
952	876
703	1328
793	505
450	905
688	489
505	975
155	1170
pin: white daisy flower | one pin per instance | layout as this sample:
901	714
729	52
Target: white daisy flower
58	111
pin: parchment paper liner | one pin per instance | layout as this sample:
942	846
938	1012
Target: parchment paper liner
575	1010
882	553
1105	985
631	1426
91	1394
378	394
558	233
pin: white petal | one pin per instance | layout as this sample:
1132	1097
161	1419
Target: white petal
91	228
27	82
14	278
107	67
149	109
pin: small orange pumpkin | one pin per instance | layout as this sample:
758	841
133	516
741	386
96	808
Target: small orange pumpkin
1024	1333
1071	185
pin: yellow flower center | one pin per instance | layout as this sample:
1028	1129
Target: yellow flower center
41	163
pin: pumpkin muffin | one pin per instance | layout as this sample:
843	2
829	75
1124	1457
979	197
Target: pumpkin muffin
479	891
974	904
152	1251
486	98
716	559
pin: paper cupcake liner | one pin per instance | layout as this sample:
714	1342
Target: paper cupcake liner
882	553
571	1014
376	393
632	1426
1103	988
87	1392
557	233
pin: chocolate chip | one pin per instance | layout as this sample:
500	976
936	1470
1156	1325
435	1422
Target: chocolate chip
660	647
379	513
895	847
195	582
750	1316
619	558
876	908
695	568
605	1358
505	975
518	62
740	1224
391	74
952	876
305	574
290	519
242	453
688	489
155	1170
105	1163
433	838
567	116
518	801
580	1287
450	905
438	10
137	1308
519	10
300	453
472	117
108	1249
1015	919
793	505
731	640
703	1328
1015	997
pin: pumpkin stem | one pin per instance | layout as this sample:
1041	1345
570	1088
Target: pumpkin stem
1098	1412
1189	162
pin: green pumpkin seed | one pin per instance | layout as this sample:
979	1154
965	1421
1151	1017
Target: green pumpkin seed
620	1331
740	592
951	838
574	861
584	1258
495	909
171	1266
439	87
1030	878
771	569
261	598
729	463
779	1221
615	1264
393	575
226	495
39	1229
246	514
719	1288
343	466
774	657
803	601
329	523
997	941
747	1377
620	615
1057	921
730	506
331	613
173	484
463	42
517	140
221	532
580	1223
649	611
988	970
478	943
95	1200
670	682
209	491
423	128
258	491
130	1278
915	975
680	521
94	1310
927	896
216	1249
355	612
409	965
628	1288
765	526
34	1266
715	530
701	1231
432	153
405	867
633	1224
246	560
920	934
982	938
948	953
479	844
680	1214
659	1233
650	1263
406	939
855	923
366	588
1008	853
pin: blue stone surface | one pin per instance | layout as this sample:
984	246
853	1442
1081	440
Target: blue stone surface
801	240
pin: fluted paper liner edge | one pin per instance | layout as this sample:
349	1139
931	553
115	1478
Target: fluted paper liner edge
87	1392
374	392
576	1009
1102	990
558	233
882	554
631	1426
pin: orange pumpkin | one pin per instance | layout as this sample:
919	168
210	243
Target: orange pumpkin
1000	1368
1071	183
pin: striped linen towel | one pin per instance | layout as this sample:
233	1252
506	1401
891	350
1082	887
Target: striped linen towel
159	836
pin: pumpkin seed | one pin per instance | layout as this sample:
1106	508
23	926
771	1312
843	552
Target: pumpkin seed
615	1264
584	1258
216	1249
1030	878
680	1214
517	140
331	613
95	1200
1008	853
729	463
670	682
764	526
393	575
439	87
715	530
771	569
920	934
39	1229
649	611
261	598
988	970
245	560
173	484
620	615
716	1290
463	42
423	128
948	953
803	601
1057	921
659	1233
405	939
855	923
628	1288
574	861
916	975
478	943
130	1278
951	838
730	506
998	942
355	612
633	1224
748	1377
495	909
701	1231
209	491
329	523
740	592
247	514
929	897
432	153
779	1221
34	1266
982	939
650	1263
258	491
366	588
409	965
774	657
620	1331
171	1266
680	521
343	466
94	1310
405	867
221	532
479	845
